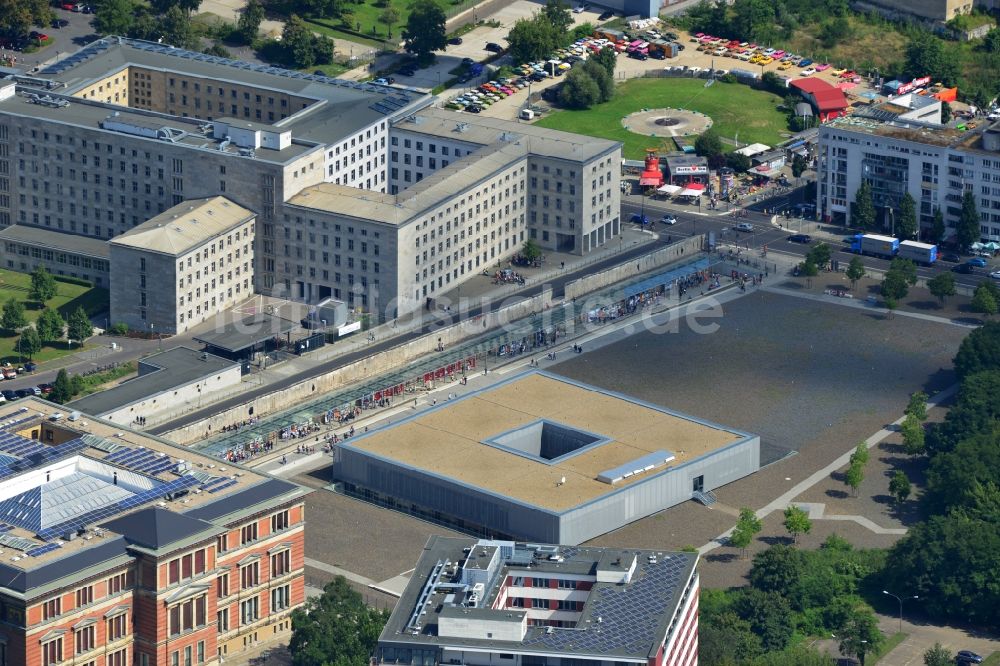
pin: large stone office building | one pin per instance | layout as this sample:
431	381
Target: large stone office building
120	549
343	178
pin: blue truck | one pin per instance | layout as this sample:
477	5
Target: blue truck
875	246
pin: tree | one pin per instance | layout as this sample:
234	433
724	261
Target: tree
13	317
938	229
991	42
62	388
797	522
335	628
50	325
863	210
860	454
388	17
939	655
777	569
896	283
531	250
913	434
606	58
984	301
557	13
43	285
250	19
967	231
79	326
738	162
819	254
942	286
605	82
906	223
834	31
175	26
855	271
708	144
860	635
854	476
899	487
531	39
580	90
726	638
769	615
754	18
979	351
799	165
926	55
29	343
748	526
917	407
114	17
425	31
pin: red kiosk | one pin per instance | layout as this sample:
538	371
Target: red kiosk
651	176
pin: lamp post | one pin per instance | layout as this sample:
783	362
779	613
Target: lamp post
900	600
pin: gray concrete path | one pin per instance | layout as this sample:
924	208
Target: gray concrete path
787	498
337	571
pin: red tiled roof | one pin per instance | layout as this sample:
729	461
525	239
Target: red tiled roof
827	96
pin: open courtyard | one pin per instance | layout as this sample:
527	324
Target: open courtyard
733	108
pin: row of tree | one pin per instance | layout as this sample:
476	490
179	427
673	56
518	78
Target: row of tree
17	17
902	221
950	558
590	83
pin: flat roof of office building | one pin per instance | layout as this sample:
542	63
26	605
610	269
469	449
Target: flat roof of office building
186	226
625	619
56	240
478	441
240	335
179	366
343	106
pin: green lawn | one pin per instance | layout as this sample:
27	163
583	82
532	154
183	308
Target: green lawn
890	644
733	108
68	298
992	660
365	16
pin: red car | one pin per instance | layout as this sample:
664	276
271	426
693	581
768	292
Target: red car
68	6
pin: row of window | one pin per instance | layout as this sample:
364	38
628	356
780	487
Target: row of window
52	654
83	596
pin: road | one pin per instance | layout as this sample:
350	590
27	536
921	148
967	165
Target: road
694	219
558	289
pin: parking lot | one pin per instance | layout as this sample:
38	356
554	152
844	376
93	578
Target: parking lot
62	41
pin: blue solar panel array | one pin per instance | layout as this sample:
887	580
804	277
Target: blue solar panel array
116	508
31	454
217	483
142	460
630	614
5	528
41	550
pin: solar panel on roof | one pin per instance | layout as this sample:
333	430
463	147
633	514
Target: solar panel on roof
41	550
215	489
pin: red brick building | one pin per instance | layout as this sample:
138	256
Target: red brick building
119	549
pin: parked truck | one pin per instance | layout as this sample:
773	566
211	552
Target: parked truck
875	245
919	253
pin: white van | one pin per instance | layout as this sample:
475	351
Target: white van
526	114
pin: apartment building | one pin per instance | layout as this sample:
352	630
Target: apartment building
184	266
122	549
98	143
485	602
934	164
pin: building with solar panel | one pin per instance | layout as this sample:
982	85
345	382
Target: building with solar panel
120	549
491	602
361	192
542	458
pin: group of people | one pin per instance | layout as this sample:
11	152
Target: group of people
508	276
233	427
247	450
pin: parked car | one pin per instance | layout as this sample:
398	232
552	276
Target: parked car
808	71
9	373
9	395
805	62
46	388
800	238
24	393
30	366
474	108
606	15
967	657
978	262
59	23
493	47
579	9
35	390
455	41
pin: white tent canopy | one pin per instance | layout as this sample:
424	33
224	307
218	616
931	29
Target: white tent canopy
752	149
668	189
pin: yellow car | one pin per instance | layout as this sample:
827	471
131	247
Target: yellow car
765	60
838	72
755	59
785	65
